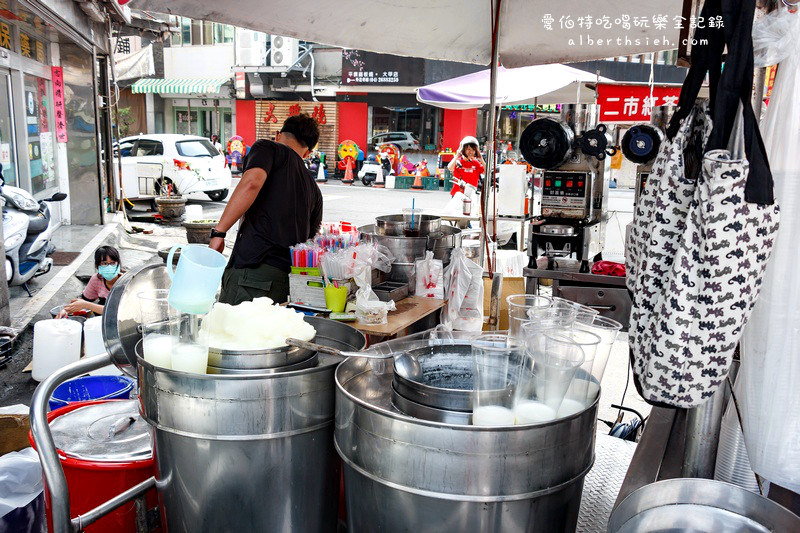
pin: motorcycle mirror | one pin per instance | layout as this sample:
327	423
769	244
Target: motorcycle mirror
57	197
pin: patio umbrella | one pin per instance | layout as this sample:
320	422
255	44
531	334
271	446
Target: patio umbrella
541	84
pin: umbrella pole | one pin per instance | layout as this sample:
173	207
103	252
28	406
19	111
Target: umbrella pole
490	151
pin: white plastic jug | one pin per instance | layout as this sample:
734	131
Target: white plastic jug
56	343
93	337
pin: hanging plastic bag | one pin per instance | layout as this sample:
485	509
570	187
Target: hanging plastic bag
430	277
766	385
370	310
463	280
20	479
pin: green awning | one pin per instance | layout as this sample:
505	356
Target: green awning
179	85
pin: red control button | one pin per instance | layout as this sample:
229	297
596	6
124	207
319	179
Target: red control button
580	184
569	184
546	183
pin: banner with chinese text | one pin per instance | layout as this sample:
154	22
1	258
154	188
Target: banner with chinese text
632	103
58	105
270	116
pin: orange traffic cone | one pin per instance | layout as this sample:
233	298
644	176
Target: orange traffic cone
348	173
379	183
417	180
321	177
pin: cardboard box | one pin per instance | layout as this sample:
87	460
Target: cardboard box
511	285
14	433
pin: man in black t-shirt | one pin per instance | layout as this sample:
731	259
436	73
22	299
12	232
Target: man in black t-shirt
281	205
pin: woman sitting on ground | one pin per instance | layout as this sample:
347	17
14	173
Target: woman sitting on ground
107	263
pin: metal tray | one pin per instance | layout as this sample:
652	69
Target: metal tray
391	290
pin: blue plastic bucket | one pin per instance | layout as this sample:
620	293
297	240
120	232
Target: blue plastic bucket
87	388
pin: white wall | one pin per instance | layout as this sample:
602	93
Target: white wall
212	61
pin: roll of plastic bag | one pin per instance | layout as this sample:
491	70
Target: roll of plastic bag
770	371
20	479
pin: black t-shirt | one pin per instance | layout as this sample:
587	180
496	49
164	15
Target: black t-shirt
287	210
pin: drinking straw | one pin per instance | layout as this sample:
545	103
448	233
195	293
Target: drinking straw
412	213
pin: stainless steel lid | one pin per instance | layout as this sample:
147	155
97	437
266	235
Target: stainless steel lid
557	229
121	313
105	432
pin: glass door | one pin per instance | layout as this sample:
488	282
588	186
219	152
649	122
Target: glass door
7	136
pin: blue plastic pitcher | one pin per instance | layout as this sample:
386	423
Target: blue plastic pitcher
196	279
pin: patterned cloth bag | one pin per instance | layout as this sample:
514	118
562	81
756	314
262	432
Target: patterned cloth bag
703	231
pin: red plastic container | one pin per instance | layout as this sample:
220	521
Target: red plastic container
92	483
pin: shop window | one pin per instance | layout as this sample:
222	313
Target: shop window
175	22
147	147
208	32
223	33
227	35
186	30
197	32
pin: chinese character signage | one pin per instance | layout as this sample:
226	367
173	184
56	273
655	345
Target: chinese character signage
368	68
632	103
271	114
60	117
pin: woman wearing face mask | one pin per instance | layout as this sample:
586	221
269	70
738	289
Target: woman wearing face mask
106	261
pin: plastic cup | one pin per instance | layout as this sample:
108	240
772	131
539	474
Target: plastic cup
545	376
580	386
522	308
412	218
497	358
191	344
156	317
570	310
608	330
336	298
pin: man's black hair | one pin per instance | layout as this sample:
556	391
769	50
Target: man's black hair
303	128
106	252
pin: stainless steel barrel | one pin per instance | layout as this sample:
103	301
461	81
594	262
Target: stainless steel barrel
407	250
394	225
408	474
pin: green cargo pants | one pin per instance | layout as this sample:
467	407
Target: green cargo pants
244	284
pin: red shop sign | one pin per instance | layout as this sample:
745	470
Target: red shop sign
632	103
58	105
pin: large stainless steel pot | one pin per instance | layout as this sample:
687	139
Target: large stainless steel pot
407	474
407	250
394	225
238	451
699	506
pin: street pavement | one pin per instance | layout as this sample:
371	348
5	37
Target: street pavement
352	203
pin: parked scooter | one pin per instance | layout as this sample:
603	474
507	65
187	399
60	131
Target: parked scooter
27	232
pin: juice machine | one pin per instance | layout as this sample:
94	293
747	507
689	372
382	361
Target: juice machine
573	153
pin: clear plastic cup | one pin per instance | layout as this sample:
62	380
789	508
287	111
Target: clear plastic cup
156	317
524	307
191	344
571	310
608	330
545	376
580	386
412	218
497	358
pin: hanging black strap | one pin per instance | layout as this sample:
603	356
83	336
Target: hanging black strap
735	86
706	58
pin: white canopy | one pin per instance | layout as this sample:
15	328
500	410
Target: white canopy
456	30
540	84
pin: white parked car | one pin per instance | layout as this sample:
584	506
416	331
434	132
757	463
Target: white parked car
188	162
405	140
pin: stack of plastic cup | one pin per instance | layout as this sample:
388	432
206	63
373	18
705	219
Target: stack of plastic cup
524	307
570	310
605	328
545	376
497	358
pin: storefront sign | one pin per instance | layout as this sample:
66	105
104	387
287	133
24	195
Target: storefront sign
368	68
632	103
58	104
270	116
549	108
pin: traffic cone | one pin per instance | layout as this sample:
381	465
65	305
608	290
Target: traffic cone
348	173
417	180
321	177
379	183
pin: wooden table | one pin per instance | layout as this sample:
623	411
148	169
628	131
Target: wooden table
409	311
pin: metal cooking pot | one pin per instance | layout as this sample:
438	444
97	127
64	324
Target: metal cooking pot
394	225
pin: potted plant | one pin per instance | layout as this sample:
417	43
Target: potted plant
170	202
199	231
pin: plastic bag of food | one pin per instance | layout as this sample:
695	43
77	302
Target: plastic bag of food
464	287
20	479
430	277
369	308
